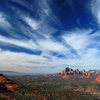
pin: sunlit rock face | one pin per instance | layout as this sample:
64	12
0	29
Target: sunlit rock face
3	79
9	85
12	86
98	73
98	79
69	72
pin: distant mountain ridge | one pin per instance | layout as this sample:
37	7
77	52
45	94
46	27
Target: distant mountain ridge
12	73
94	71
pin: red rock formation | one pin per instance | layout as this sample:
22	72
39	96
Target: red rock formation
87	75
36	96
69	73
49	75
3	79
11	87
8	84
65	77
98	73
98	79
4	96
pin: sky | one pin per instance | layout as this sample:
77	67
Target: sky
46	36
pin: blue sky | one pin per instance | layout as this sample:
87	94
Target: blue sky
45	36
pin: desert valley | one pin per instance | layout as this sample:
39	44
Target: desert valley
68	84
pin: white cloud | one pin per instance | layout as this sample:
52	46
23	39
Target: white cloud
44	6
18	61
91	58
42	24
43	45
15	61
3	21
23	62
51	45
23	43
79	40
31	22
95	6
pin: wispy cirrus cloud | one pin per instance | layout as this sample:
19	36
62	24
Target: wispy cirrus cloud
95	8
28	63
4	22
43	45
78	39
51	45
32	23
29	44
39	64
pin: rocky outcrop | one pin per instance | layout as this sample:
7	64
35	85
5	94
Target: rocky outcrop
36	96
11	87
3	79
68	73
46	76
7	84
98	73
98	79
87	75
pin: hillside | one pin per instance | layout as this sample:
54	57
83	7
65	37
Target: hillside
8	90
